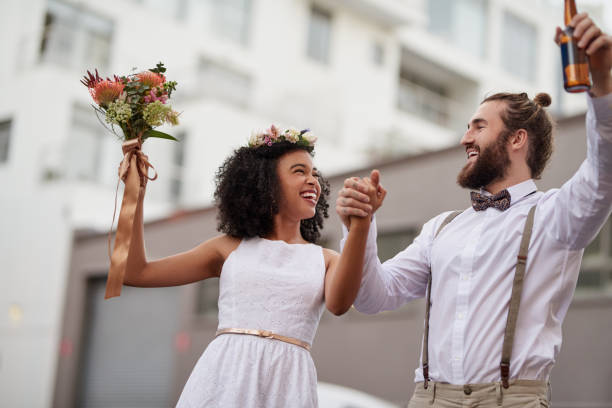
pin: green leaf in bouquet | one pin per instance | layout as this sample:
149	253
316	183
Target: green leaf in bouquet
125	130
159	68
158	134
170	86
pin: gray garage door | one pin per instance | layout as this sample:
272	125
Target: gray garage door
128	348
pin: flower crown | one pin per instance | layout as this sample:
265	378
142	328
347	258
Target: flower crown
275	135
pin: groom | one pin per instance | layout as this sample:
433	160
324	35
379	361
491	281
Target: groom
500	275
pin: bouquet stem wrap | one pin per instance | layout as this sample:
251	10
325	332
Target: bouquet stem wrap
134	172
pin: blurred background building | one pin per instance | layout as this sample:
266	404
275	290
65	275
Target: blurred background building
145	343
379	81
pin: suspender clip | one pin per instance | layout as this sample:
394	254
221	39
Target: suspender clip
425	375
522	259
505	374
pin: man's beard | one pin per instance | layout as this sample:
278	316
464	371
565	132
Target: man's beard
490	165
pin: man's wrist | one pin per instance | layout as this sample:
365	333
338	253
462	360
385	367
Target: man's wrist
602	84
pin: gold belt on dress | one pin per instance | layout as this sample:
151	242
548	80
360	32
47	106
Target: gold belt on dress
266	334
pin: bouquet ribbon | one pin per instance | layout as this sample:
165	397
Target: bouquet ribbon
134	172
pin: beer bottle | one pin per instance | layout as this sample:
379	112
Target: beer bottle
576	75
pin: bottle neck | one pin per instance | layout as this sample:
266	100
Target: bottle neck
570	11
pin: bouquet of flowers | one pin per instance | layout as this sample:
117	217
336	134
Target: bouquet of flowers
137	104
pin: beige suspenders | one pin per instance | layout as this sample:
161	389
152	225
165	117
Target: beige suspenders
513	308
515	299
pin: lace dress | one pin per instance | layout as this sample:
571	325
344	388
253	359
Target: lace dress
265	285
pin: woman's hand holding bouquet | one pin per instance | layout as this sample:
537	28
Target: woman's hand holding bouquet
137	104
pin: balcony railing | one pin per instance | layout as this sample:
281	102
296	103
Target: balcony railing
426	104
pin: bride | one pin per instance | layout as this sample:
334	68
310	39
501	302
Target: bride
274	279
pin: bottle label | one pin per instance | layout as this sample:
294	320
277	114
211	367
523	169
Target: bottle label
576	74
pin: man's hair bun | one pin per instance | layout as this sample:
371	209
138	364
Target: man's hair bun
543	99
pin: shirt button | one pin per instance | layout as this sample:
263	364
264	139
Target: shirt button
467	390
460	315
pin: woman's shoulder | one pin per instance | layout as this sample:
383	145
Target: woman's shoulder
329	255
225	244
329	252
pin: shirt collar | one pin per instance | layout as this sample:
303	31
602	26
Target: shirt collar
517	191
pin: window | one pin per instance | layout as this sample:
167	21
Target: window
462	22
390	243
424	98
75	37
596	270
319	35
378	54
178	163
208	297
230	19
519	45
224	83
84	145
5	138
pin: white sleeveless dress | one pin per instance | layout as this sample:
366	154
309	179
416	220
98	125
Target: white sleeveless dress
264	285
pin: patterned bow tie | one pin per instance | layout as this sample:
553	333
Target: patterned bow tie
501	201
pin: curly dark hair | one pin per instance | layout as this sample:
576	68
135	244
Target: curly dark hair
247	193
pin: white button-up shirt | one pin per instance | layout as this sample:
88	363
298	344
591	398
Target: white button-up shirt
473	260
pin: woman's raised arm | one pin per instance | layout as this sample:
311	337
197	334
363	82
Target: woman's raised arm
201	262
343	276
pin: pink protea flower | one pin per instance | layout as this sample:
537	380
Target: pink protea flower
106	91
152	96
151	79
90	80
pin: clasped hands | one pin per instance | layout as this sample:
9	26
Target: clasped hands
360	197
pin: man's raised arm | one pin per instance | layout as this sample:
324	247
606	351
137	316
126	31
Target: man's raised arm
583	204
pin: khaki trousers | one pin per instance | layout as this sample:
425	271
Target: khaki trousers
521	394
